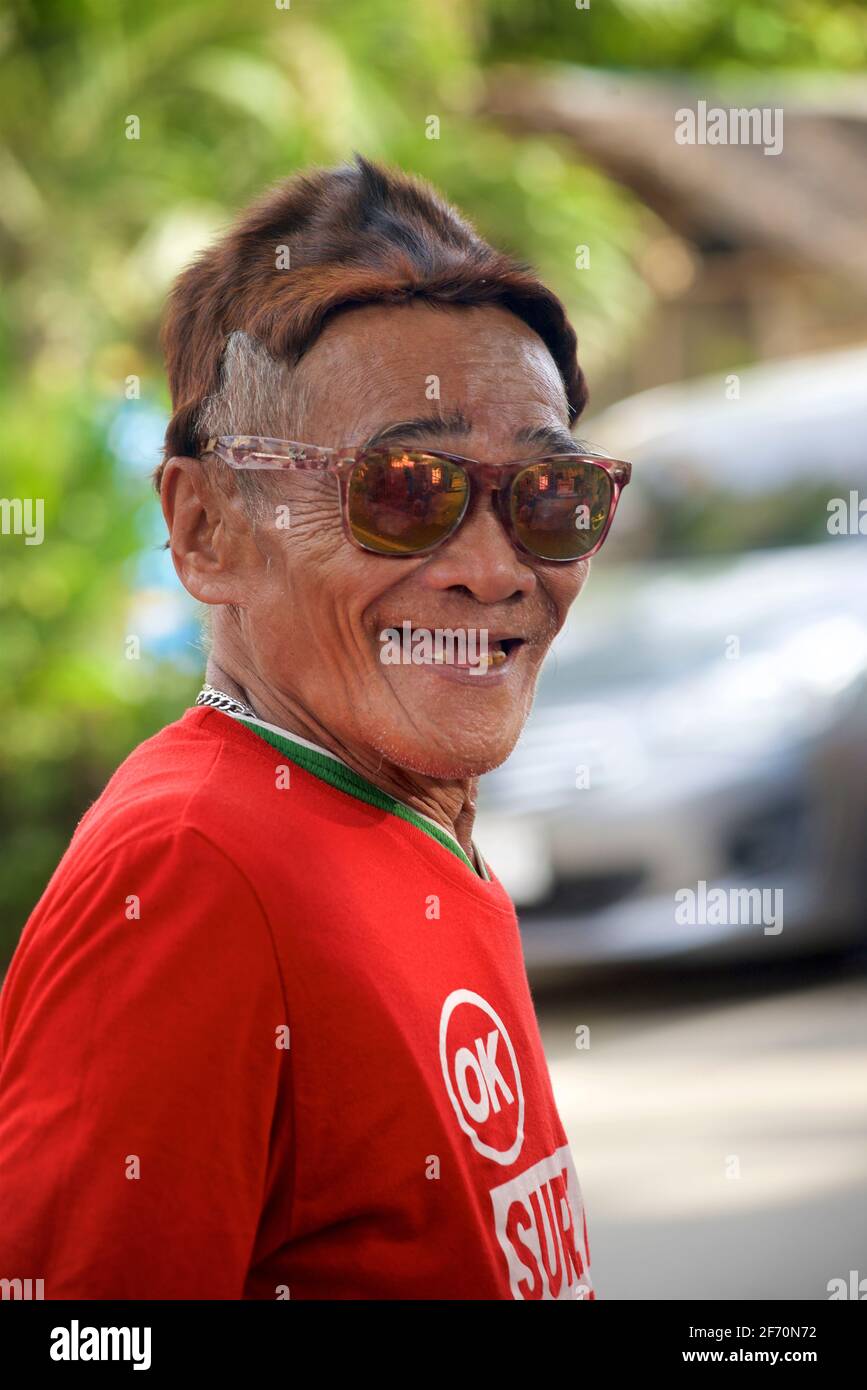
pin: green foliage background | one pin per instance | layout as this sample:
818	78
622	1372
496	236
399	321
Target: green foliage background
93	226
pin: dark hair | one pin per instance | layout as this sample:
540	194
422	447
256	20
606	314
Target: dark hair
356	234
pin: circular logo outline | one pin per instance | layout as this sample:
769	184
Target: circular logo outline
468	996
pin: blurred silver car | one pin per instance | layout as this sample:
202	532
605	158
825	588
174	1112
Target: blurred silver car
701	722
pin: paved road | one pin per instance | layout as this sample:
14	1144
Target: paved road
719	1132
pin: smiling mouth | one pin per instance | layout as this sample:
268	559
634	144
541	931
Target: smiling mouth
497	654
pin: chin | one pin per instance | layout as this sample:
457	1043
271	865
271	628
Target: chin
467	758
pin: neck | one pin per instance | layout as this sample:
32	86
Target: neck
450	804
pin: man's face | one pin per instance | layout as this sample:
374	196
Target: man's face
313	607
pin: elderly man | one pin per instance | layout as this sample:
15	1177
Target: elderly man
268	1032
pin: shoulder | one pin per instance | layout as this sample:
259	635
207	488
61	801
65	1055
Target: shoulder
162	826
149	877
201	775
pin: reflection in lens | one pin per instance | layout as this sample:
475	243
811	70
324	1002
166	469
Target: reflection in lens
559	509
402	502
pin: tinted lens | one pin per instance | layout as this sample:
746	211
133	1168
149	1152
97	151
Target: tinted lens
402	502
560	508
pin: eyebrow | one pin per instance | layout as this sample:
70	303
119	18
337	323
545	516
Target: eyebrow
422	427
554	438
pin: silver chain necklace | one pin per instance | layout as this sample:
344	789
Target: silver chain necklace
218	699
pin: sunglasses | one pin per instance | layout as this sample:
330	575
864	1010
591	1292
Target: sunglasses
404	502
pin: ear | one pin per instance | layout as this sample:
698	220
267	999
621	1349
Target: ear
208	535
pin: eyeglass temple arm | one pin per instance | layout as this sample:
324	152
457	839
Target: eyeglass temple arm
311	456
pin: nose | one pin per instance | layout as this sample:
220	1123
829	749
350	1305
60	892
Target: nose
480	558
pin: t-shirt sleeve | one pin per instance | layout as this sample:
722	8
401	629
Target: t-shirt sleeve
141	1076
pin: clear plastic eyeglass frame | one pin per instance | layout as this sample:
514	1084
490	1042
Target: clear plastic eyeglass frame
254	452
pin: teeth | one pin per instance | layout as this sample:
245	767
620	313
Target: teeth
493	658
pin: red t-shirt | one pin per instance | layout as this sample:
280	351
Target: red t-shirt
268	1034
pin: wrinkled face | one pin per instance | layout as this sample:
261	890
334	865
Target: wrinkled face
314	607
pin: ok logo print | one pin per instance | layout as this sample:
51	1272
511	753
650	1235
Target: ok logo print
481	1074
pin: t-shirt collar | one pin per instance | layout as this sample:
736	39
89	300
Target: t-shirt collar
480	867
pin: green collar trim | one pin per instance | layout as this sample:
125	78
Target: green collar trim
337	774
